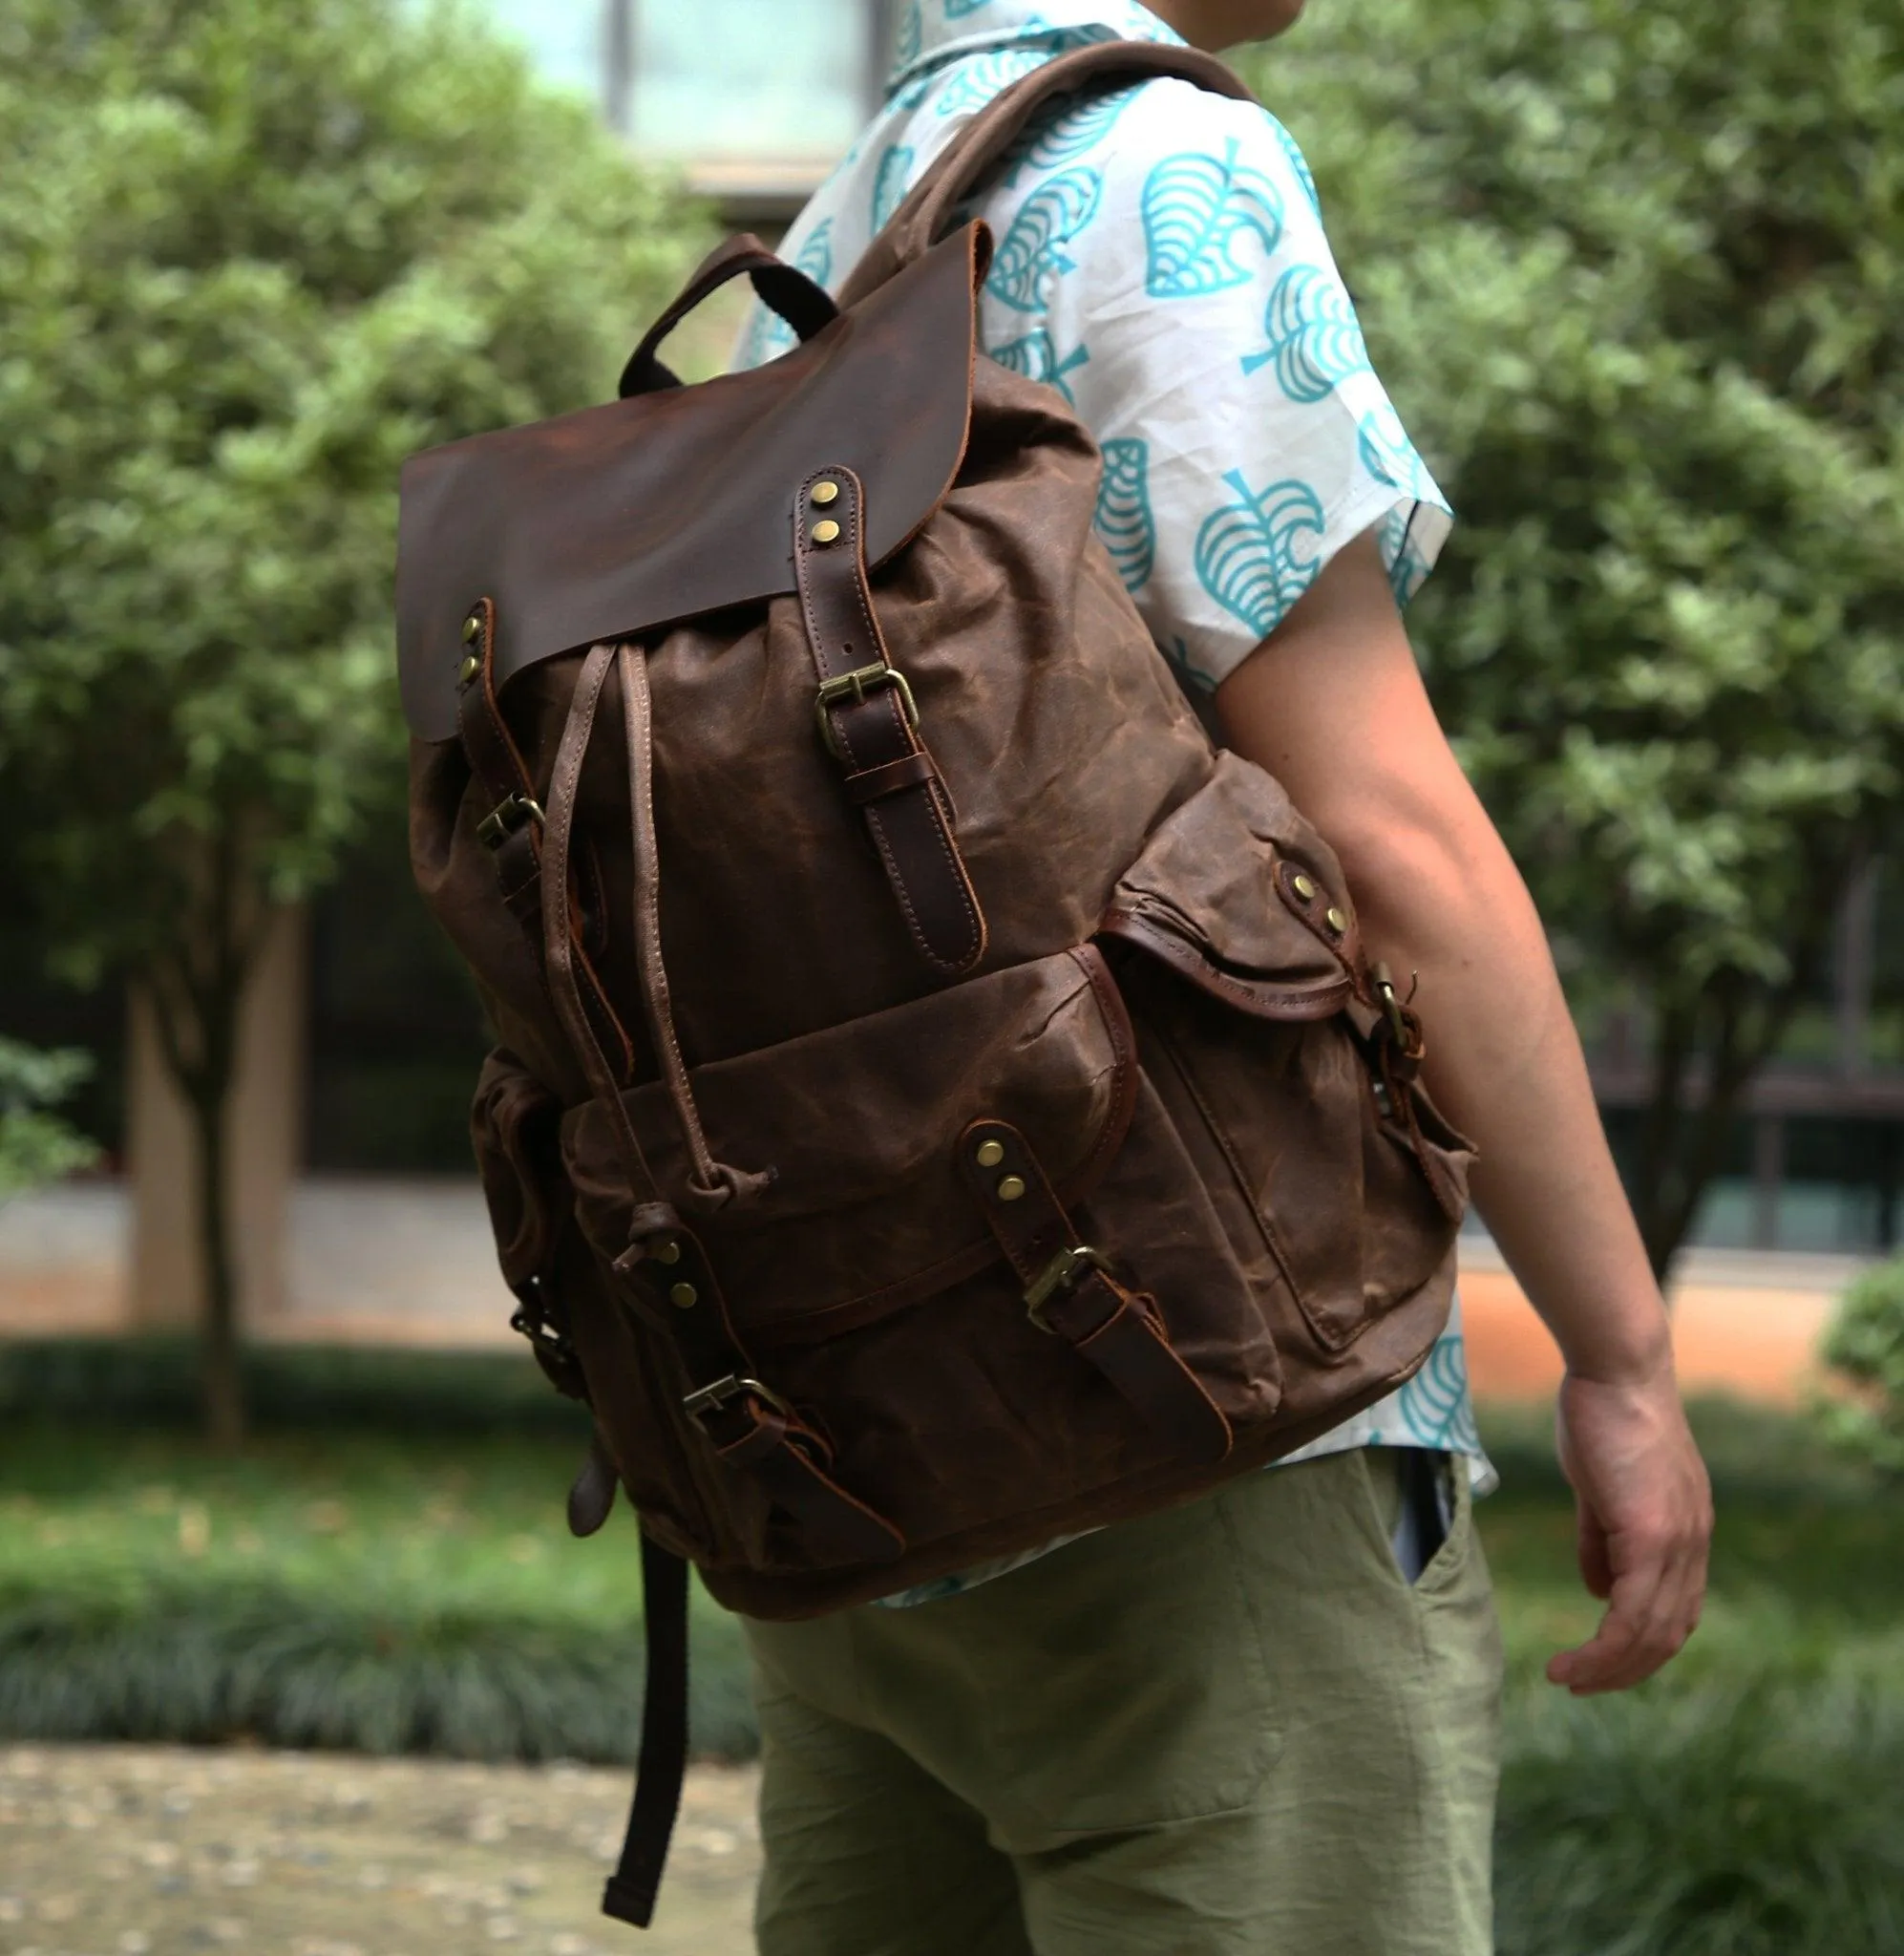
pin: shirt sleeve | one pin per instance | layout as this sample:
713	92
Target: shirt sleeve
1161	261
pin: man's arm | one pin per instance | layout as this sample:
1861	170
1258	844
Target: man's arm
1333	705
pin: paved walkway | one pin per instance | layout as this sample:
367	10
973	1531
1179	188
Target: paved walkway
134	1850
410	1261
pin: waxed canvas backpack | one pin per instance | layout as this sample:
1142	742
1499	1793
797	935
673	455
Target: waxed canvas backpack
942	1104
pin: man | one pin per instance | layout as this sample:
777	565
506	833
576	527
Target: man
1265	1721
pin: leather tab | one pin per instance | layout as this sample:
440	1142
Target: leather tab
873	784
592	1497
1120	1332
867	718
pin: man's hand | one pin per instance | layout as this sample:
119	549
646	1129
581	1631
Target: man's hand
1332	703
1646	1523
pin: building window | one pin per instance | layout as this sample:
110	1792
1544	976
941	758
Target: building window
765	80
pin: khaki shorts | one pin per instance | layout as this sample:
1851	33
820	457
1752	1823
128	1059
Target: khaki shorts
1234	1727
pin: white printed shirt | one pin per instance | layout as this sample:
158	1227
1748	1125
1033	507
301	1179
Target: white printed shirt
1161	260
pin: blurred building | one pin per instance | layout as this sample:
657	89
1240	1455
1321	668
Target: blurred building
756	98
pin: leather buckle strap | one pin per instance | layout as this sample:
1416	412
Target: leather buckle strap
855	686
1070	1291
747	1424
630	1891
1058	1276
512	813
869	721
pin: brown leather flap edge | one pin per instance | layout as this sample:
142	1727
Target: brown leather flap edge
615	520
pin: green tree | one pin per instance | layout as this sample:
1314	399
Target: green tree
253	253
1634	276
36	1145
1864	1345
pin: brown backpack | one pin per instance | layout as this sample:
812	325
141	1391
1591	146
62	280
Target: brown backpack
943	1104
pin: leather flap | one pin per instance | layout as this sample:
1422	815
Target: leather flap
1239	894
615	520
868	1209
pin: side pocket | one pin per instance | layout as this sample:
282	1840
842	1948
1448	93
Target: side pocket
515	1129
583	1335
1247	998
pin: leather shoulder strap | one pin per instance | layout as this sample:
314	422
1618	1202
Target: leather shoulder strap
927	213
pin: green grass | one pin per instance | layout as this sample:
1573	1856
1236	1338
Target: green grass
386	1569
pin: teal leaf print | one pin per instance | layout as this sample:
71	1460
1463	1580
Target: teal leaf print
1036	357
1032	255
957	10
889	185
1387	454
1062	40
1176	655
815	256
1075	130
1197	208
1435	1406
1124	518
1315	342
1406	562
911	32
974	81
1246	552
1298	162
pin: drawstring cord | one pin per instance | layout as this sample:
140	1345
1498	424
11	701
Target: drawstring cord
712	1184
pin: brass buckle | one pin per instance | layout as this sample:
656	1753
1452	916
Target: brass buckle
855	686
712	1399
507	817
1059	1275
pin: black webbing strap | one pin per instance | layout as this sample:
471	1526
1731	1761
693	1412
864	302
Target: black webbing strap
629	1896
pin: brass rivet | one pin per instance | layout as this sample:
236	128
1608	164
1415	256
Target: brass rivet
1335	921
825	532
825	493
1303	887
683	1295
1010	1188
472	625
468	670
990	1153
669	1252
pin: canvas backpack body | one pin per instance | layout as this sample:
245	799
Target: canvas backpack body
943	1104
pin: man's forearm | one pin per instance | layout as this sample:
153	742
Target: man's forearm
1505	1064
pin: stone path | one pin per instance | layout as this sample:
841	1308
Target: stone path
141	1851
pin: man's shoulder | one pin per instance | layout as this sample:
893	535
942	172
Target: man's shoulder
1186	155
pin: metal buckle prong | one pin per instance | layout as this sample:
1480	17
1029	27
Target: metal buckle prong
1059	1275
855	686
505	818
712	1399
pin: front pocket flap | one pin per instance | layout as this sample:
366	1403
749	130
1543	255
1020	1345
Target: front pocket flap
867	1209
1207	897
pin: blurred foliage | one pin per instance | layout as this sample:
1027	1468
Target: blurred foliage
252	254
1752	1821
1635	277
1865	1346
148	1383
404	1587
36	1145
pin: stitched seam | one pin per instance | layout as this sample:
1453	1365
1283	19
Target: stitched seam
1116	1024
